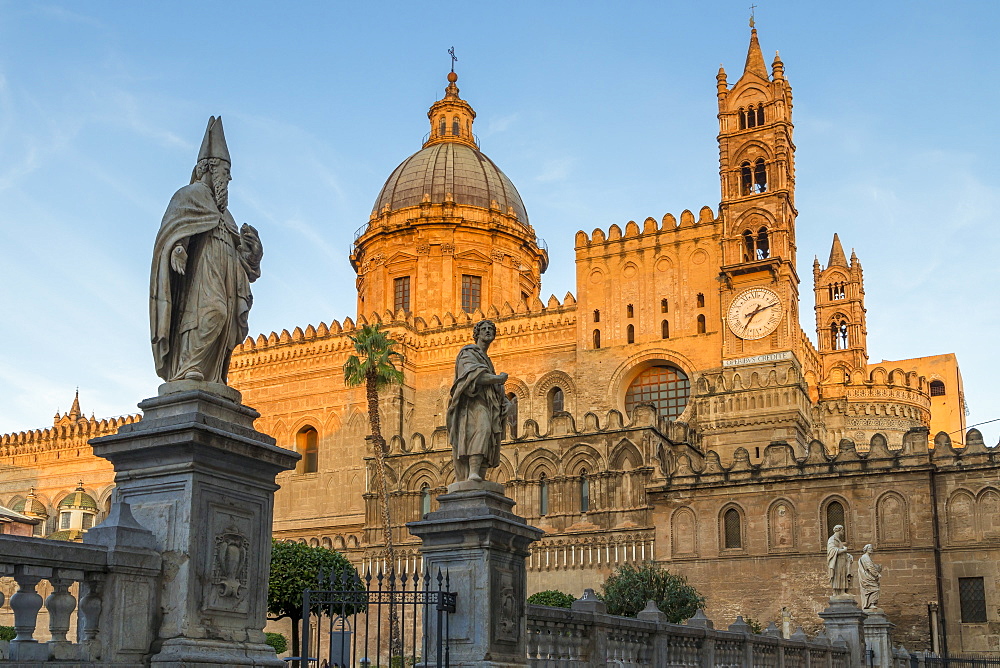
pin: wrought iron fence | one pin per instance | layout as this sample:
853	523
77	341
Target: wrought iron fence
378	620
959	661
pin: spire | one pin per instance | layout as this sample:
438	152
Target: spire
755	59
777	68
451	117
74	411
837	257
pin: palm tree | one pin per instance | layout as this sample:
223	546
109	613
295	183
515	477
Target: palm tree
373	366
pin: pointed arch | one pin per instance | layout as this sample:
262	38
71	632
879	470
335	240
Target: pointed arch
683	533
781	526
892	520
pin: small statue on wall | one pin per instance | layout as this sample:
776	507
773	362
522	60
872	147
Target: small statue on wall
838	562
203	264
869	574
477	408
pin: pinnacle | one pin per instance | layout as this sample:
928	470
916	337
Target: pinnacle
837	257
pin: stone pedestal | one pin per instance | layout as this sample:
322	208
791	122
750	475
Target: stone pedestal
878	636
482	545
200	477
844	619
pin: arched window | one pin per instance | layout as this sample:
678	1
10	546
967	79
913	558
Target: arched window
701	324
834	517
664	306
763	244
760	114
512	414
442	124
937	388
543	495
839	339
456	126
838	291
425	499
743	118
732	529
555	401
664	330
597	315
584	492
751	118
749	248
307	443
629	311
700	300
630	333
746	178
665	387
597	339
759	176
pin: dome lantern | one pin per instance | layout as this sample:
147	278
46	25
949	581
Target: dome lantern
451	118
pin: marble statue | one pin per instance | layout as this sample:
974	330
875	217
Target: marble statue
477	408
869	574
838	562
199	287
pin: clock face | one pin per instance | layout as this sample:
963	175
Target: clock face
754	313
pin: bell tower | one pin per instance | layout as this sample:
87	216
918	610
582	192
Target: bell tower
841	329
757	175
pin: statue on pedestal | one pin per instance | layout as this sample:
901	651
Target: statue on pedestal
477	408
869	574
838	562
203	264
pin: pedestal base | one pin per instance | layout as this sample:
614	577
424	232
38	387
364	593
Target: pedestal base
844	619
878	637
482	545
200	477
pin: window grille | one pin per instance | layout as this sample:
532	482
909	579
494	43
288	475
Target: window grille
472	289
88	521
64	520
732	529
972	595
401	294
835	516
937	388
665	387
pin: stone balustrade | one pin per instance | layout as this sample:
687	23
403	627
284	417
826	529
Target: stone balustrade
586	636
116	576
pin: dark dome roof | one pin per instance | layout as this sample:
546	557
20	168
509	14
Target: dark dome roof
450	167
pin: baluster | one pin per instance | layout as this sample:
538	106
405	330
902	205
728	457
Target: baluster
60	603
91	590
26	603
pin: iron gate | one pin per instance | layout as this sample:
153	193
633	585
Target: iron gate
381	620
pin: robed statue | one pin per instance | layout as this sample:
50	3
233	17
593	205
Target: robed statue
869	574
203	265
477	408
838	562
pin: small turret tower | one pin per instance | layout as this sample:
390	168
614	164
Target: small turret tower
841	330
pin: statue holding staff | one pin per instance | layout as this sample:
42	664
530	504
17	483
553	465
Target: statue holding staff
477	408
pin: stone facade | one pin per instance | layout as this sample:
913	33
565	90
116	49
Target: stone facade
674	387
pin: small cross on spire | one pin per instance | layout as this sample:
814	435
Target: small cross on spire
451	52
752	7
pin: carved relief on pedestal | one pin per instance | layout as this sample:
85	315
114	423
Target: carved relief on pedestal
508	623
230	564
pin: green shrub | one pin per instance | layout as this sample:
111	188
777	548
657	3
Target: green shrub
552	598
628	588
277	641
7	633
755	625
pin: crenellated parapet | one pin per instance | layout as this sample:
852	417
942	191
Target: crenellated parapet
63	435
651	230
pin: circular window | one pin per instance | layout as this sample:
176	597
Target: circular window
666	387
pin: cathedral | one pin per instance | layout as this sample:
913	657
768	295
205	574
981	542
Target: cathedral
671	410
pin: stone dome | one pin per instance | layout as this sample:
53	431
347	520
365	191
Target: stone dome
450	167
36	507
79	499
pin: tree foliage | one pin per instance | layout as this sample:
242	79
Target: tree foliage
278	641
626	591
296	567
552	598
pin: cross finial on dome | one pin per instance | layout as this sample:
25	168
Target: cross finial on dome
451	52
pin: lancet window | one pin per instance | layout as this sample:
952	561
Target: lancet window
664	330
701	324
307	443
556	401
630	333
838	291
584	492
543	495
753	177
597	339
839	338
732	530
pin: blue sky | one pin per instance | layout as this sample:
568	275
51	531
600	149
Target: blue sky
600	113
